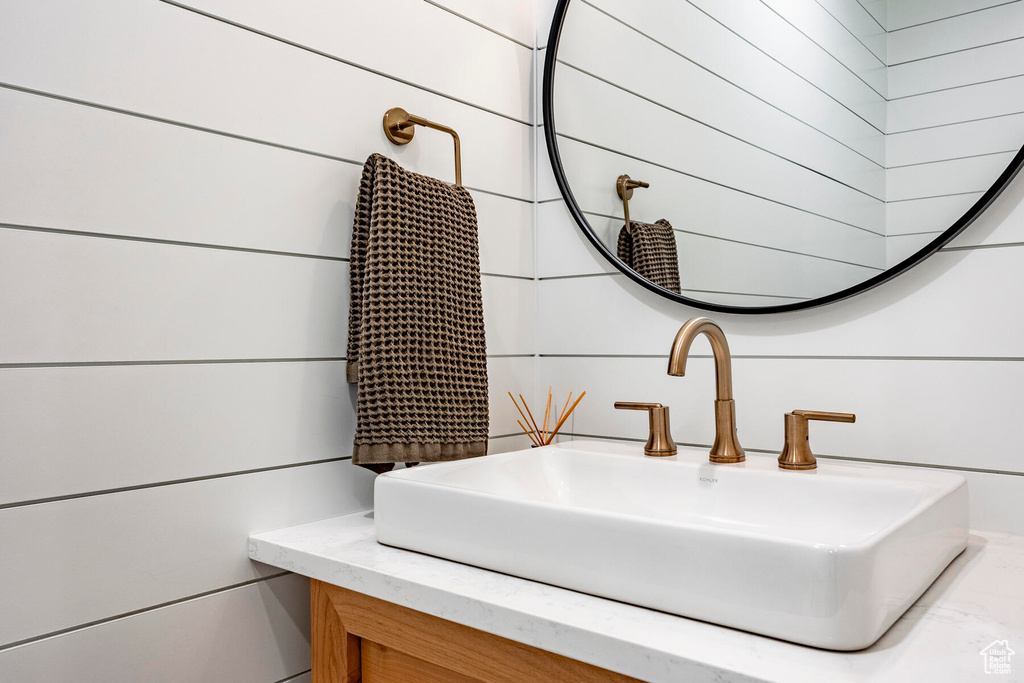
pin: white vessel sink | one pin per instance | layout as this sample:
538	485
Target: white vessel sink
828	557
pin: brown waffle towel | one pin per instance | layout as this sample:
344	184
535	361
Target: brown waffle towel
650	250
416	343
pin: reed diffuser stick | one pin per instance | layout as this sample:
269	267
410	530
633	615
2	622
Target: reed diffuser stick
566	416
547	414
519	409
530	414
567	401
528	433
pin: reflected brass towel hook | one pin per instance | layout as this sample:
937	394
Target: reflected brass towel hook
625	185
400	126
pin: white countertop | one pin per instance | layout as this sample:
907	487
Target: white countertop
977	600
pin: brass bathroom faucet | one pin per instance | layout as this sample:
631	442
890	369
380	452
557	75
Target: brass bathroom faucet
727	446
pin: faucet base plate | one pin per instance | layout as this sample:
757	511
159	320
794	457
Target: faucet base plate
788	466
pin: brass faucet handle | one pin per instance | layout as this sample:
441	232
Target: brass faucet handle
826	417
796	453
631	405
659	439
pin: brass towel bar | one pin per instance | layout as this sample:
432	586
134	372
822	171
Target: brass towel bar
400	126
625	185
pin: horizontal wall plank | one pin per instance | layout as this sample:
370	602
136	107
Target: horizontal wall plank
513	18
506	235
96	299
515	375
74	430
878	9
257	633
247	85
753	21
969	103
91	170
87	169
906	410
971	138
859	22
924	215
815	22
562	248
352	32
957	176
957	69
960	32
904	13
691	31
566	252
671	80
79	429
913	315
702	207
92	558
69	299
510	319
592	111
765	271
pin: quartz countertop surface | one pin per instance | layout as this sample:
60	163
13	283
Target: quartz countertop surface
977	600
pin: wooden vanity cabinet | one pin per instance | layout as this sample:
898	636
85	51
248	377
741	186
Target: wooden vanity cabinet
359	638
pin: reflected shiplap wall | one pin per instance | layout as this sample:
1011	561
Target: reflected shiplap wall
177	184
956	111
760	126
726	107
930	362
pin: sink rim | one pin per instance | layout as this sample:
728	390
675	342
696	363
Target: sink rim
933	487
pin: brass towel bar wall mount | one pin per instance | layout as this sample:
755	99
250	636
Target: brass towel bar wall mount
400	126
625	185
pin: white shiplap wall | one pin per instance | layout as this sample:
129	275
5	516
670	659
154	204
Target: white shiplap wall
900	126
955	85
176	191
177	182
930	362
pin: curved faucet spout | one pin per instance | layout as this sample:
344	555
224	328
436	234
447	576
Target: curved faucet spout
727	446
719	346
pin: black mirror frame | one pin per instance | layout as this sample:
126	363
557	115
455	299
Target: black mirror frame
563	185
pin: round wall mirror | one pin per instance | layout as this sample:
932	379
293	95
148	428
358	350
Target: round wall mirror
774	155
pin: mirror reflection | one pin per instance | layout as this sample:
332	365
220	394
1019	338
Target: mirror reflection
790	149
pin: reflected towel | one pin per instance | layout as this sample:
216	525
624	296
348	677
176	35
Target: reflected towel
416	342
650	250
